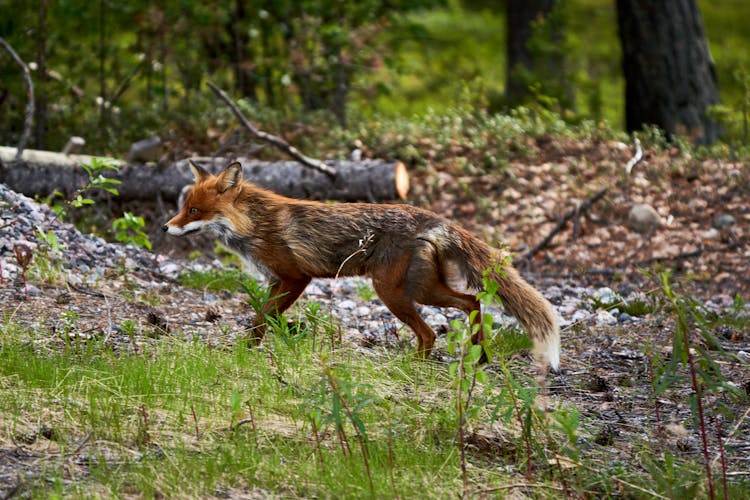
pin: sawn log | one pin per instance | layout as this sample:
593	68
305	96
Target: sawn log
43	172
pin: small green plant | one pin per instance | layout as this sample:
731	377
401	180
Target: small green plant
23	256
67	324
465	372
704	372
48	265
129	229
364	290
636	307
338	401
95	170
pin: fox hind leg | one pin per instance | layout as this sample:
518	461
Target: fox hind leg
439	294
396	291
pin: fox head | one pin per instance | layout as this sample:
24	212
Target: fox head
208	204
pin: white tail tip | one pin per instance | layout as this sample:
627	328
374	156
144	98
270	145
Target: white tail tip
552	353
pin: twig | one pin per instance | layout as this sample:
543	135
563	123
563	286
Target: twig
195	419
723	460
699	404
362	247
109	320
390	464
679	256
576	221
317	441
637	157
28	121
82	443
243	422
569	215
252	417
732	433
522	485
272	139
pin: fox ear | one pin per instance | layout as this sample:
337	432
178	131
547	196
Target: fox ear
230	177
198	172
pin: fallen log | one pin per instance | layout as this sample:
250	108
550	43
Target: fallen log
43	172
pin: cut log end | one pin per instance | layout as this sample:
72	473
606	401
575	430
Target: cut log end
401	179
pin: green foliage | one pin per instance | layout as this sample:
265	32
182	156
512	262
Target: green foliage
129	229
214	280
304	405
47	265
145	64
364	290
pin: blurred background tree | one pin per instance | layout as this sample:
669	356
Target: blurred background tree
115	71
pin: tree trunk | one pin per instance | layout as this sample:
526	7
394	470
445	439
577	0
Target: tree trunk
41	54
519	18
669	74
43	172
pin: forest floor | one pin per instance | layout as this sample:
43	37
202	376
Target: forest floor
602	277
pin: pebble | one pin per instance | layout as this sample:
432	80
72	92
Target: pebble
347	304
624	318
607	296
643	219
711	234
722	221
362	311
605	318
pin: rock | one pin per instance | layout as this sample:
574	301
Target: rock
347	304
643	219
723	221
606	296
362	311
170	269
624	318
437	320
711	234
605	318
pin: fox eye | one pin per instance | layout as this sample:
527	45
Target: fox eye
193	210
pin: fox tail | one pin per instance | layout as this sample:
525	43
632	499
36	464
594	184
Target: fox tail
533	311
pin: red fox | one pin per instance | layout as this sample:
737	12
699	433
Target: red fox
412	255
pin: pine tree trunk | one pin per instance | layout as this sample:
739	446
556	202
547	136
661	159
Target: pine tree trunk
669	74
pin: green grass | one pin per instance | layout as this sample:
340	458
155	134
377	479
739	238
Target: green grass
215	279
171	418
137	410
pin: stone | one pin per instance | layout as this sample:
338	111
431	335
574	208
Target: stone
711	234
643	219
723	221
347	304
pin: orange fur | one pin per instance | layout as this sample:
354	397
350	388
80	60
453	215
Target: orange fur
412	255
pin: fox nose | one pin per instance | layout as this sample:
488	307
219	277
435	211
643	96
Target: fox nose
164	228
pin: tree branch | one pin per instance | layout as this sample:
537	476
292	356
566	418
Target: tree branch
569	215
278	142
29	114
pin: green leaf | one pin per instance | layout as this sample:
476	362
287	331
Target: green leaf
475	353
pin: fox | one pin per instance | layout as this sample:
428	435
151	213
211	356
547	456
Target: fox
412	255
